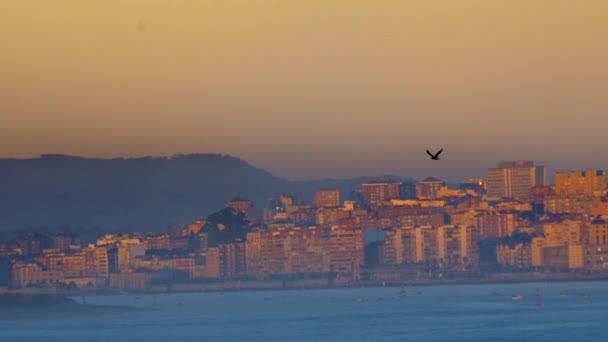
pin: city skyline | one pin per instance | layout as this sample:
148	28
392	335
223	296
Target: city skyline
481	173
389	234
310	89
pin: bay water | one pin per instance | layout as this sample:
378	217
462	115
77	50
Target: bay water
569	311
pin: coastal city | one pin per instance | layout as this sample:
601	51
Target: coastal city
512	225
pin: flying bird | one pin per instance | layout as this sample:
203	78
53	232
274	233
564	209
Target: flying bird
434	156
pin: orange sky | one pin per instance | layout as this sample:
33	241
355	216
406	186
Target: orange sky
315	88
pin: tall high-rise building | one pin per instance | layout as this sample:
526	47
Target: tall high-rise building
427	244
580	182
514	179
429	188
232	260
448	246
380	191
95	261
345	245
400	246
286	250
327	198
450	243
469	246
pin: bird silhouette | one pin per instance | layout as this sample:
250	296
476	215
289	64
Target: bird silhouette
434	156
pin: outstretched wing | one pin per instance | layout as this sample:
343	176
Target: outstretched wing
438	153
429	153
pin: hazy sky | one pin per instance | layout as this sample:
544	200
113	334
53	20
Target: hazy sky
306	89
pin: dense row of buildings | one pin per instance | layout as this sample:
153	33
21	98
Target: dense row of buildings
388	226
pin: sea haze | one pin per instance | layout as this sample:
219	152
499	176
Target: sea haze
427	313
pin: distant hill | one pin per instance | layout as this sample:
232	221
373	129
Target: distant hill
148	193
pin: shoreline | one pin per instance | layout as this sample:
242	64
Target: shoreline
493	281
278	285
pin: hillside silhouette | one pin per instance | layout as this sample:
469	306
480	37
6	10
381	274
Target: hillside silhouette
148	193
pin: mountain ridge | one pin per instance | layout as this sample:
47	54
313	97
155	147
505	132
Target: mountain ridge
142	193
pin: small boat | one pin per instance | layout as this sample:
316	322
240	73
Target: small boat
361	299
586	295
517	297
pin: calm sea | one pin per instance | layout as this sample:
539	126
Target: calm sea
427	313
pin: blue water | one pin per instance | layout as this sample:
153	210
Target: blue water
428	313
